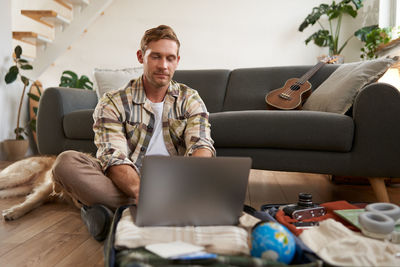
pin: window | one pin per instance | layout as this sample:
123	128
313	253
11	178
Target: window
389	13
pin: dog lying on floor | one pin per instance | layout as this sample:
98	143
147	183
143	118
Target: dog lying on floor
32	177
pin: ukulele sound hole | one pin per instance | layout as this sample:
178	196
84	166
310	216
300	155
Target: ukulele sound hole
295	87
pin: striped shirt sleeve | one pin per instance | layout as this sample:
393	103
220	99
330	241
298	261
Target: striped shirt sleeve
109	130
198	128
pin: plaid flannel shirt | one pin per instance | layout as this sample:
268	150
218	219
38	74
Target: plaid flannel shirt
124	122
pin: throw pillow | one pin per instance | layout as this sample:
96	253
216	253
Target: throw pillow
108	79
337	93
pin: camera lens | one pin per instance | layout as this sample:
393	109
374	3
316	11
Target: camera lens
305	200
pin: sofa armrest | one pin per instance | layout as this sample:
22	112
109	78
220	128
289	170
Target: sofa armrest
376	115
54	103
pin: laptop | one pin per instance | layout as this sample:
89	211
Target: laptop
191	191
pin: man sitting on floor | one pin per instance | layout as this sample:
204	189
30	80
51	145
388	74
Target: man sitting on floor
152	115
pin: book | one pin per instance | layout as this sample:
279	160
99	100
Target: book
350	215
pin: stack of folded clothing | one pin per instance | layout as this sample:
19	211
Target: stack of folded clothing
231	240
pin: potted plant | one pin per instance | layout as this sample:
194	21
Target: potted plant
16	148
372	37
70	79
329	36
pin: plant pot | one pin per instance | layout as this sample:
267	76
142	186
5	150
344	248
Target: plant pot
336	59
15	149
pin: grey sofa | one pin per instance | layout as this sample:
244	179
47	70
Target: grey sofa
365	142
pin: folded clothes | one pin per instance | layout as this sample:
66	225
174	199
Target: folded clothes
329	206
339	246
229	240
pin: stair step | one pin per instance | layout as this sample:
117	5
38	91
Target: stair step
69	4
64	4
32	38
77	2
47	17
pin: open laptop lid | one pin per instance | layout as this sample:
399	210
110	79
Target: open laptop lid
181	191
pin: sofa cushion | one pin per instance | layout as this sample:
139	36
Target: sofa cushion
301	130
211	85
338	92
111	79
247	87
78	124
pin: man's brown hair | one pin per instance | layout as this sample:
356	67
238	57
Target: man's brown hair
158	33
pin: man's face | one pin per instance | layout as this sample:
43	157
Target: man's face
159	62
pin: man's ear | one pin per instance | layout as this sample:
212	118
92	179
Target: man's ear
179	58
140	55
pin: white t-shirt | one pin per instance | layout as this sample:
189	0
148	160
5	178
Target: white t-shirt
157	144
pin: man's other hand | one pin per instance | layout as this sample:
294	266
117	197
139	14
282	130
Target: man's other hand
202	152
126	179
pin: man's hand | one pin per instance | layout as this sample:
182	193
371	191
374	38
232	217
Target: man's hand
202	152
126	179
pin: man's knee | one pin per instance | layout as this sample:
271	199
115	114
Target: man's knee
64	165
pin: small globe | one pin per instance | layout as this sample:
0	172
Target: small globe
273	241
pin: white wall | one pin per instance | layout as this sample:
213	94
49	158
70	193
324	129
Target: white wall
9	94
214	34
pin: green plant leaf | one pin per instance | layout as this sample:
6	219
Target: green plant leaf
65	79
19	133
320	38
34	97
24	80
22	60
84	78
314	16
333	11
373	37
68	79
26	67
364	31
71	73
12	75
347	9
85	83
88	85
358	3
18	51
13	69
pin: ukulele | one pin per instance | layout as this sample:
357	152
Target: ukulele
295	91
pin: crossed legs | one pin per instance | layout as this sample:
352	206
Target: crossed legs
80	176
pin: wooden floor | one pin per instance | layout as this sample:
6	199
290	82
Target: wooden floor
54	235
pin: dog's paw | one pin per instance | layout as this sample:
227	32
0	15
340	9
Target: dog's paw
11	214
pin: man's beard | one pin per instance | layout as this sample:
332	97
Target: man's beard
160	82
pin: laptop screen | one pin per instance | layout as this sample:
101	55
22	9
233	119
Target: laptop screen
180	191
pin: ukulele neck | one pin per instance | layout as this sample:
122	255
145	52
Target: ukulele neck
310	73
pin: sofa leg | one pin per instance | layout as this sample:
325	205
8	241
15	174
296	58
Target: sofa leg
379	187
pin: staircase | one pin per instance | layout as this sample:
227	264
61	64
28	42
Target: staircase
52	27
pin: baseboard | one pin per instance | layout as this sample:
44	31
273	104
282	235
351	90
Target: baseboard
359	180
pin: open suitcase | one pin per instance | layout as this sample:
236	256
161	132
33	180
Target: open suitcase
141	257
